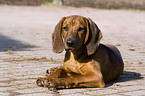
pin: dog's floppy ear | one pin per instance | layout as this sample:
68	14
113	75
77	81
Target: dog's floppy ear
57	41
93	37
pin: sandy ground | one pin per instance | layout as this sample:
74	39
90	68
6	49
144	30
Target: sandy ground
26	52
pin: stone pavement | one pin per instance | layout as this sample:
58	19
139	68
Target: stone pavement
26	52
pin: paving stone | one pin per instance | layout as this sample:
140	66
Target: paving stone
104	92
4	94
131	88
135	93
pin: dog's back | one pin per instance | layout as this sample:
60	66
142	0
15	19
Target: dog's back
111	68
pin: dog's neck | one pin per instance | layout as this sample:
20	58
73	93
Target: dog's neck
74	54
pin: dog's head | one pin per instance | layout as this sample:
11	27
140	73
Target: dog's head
74	33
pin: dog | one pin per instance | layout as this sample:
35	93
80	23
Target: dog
87	62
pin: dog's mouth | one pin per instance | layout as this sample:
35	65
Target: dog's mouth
69	48
72	49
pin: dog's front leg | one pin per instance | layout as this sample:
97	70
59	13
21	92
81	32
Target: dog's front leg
78	81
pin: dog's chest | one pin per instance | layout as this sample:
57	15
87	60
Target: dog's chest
72	66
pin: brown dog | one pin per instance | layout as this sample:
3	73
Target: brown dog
87	63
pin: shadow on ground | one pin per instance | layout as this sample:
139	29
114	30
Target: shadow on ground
126	76
7	43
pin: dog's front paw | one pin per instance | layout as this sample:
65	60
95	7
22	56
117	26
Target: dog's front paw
52	70
48	71
42	82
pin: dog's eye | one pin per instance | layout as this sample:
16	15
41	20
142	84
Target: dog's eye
81	29
65	28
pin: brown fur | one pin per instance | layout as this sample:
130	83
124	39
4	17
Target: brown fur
87	63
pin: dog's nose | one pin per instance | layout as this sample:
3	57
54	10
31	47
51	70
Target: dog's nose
70	42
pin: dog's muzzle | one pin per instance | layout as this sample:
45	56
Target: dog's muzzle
70	43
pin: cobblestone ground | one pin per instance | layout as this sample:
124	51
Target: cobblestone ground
26	52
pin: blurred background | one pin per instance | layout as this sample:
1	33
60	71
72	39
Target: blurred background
111	4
